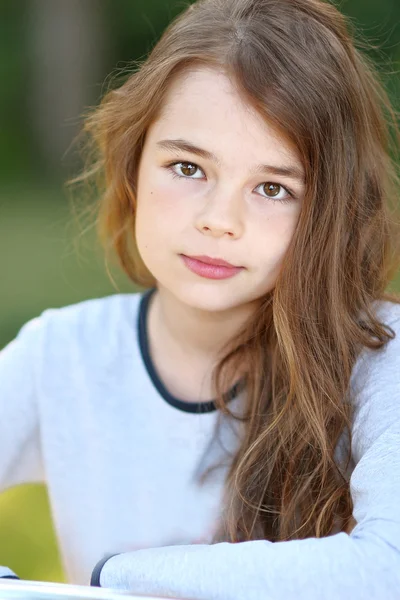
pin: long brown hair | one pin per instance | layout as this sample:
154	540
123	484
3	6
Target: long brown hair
297	63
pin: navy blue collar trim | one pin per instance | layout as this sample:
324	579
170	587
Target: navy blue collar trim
190	407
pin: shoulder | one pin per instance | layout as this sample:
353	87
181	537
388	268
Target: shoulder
382	359
91	324
94	313
375	381
388	313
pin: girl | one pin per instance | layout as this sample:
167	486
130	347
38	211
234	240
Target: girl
219	434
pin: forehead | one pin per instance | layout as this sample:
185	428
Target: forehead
204	101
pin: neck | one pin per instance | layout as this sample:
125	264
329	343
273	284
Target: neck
194	332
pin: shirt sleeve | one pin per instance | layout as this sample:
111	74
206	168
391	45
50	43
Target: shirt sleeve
6	573
364	565
20	460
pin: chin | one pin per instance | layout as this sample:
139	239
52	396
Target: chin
209	296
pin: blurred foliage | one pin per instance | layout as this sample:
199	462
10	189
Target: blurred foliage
133	28
42	265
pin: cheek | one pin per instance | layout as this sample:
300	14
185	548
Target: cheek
274	234
163	206
162	211
277	222
171	196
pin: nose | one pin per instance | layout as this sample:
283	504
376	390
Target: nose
221	215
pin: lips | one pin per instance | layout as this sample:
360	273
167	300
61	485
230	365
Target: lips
208	260
209	271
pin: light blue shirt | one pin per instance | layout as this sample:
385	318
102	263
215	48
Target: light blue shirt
84	411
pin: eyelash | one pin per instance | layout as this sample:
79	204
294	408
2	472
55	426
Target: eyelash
170	166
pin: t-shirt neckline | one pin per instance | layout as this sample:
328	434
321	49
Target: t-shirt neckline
189	407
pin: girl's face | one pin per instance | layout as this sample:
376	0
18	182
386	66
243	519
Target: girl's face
215	198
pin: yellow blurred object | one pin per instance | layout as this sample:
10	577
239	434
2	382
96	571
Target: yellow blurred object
28	544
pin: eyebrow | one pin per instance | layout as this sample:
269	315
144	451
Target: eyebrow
291	171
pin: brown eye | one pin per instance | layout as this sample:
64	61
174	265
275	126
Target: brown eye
188	169
272	189
185	170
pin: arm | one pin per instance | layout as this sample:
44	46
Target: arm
364	565
19	431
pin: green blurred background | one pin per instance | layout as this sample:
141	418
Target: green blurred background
56	57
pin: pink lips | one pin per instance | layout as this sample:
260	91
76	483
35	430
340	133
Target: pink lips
219	262
210	271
